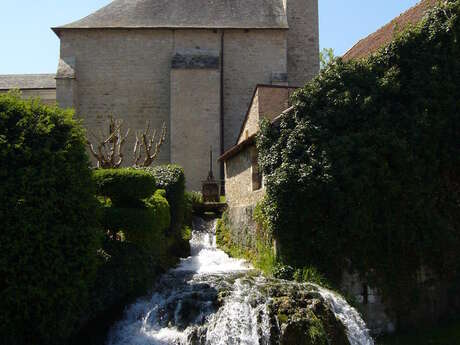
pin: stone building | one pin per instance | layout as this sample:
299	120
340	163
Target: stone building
41	86
243	180
191	64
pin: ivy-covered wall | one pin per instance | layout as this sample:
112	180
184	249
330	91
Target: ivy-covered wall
363	175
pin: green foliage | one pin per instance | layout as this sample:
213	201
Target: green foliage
144	226
126	271
171	178
310	275
326	56
261	255
364	173
446	333
282	271
195	197
47	211
124	186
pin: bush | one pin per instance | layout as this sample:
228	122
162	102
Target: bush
196	198
364	173
171	178
126	271
144	226
124	186
47	211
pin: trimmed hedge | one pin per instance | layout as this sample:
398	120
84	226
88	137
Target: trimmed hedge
144	226
171	178
49	235
124	186
364	173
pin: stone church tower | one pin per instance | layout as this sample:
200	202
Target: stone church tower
192	64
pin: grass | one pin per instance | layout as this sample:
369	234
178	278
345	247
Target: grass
446	334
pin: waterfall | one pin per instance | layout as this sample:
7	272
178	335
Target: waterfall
212	299
357	332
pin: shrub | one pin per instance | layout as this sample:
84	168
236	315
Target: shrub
364	173
195	197
124	186
126	271
47	211
171	178
144	225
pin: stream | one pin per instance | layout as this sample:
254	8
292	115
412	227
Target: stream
212	299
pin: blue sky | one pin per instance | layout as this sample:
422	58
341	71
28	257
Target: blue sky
29	46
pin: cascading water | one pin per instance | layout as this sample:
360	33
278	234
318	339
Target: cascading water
212	299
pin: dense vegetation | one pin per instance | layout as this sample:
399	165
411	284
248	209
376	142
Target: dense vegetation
76	244
49	233
446	334
140	242
364	172
171	178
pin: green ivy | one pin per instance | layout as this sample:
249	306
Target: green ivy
364	172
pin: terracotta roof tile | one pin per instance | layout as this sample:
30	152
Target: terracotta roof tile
385	35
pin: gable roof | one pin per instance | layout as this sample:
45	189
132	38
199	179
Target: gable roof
27	81
243	14
251	140
262	86
385	34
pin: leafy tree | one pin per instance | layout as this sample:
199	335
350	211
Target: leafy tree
326	56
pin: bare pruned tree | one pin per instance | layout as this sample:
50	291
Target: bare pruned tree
146	149
109	151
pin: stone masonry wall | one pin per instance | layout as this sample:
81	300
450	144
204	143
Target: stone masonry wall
251	126
238	180
124	73
195	122
127	73
303	41
268	103
250	57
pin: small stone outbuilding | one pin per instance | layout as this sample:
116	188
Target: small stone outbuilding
41	86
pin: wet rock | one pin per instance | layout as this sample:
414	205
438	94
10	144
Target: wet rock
300	316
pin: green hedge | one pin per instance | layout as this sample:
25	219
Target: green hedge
144	226
171	178
364	173
126	272
124	186
47	212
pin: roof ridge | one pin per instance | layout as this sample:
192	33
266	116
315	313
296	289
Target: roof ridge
349	53
208	14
